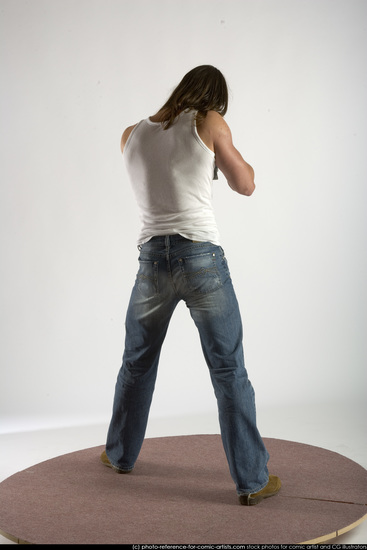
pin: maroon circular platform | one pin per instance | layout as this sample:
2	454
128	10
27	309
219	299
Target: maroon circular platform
181	492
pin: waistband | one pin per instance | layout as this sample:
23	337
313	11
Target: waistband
171	239
167	241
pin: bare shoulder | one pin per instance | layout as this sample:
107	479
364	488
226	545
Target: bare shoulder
212	128
126	135
215	124
215	120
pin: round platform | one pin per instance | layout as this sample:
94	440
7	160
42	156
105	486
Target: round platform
180	492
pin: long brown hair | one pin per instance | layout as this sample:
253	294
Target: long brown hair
203	89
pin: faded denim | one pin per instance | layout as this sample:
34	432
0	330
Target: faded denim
172	268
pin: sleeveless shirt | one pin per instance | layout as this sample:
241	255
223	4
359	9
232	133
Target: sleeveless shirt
171	173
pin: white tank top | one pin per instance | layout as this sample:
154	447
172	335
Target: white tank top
171	172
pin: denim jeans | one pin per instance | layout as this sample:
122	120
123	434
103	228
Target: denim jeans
171	269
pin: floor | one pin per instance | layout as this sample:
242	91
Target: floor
334	426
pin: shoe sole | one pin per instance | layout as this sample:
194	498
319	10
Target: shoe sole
256	500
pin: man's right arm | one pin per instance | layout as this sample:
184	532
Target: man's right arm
239	174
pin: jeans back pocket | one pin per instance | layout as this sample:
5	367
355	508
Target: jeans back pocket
147	278
200	273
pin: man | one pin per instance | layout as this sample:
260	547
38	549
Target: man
171	159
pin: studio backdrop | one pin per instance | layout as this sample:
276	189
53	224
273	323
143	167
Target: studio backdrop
74	75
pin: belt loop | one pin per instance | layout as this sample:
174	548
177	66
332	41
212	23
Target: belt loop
167	243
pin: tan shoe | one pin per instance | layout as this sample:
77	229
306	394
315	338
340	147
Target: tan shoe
271	489
106	462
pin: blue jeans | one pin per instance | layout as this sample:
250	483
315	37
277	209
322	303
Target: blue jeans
171	269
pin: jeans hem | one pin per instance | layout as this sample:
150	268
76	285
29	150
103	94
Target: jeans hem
247	493
118	468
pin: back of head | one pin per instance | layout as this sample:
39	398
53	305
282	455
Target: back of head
202	89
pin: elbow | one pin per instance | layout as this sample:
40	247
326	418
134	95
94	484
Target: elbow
243	188
251	182
250	187
244	183
249	190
